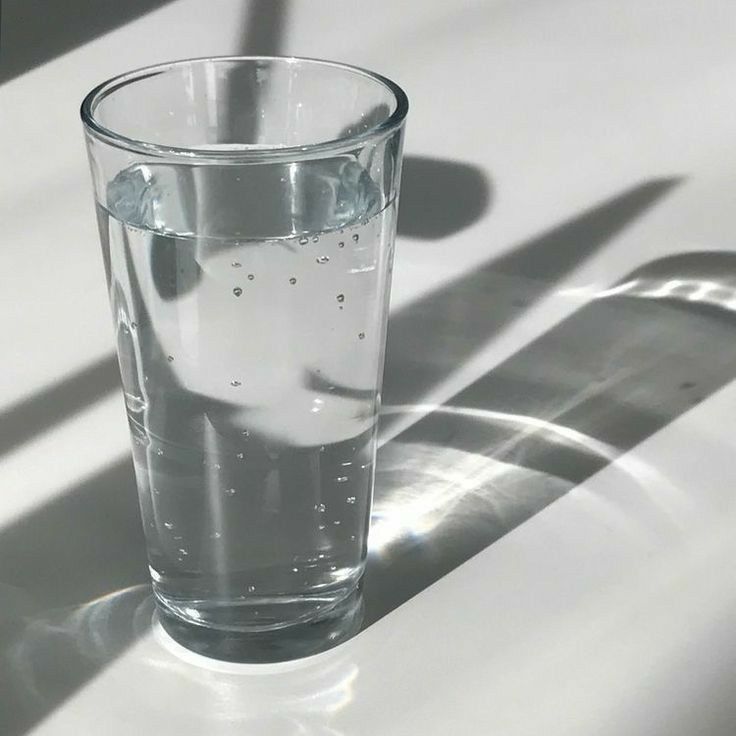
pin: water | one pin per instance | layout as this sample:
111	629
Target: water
248	305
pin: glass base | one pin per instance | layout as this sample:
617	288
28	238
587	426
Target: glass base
267	642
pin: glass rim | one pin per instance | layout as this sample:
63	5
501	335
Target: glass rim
246	155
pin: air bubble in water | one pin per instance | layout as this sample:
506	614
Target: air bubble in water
169	524
133	325
323	259
361	336
336	523
159	452
240	455
251	588
340	298
251	276
235	264
217	535
342	479
321	527
319	507
341	244
235	383
315	239
183	552
245	433
350	499
292	281
295	569
237	291
356	238
303	241
170	358
229	491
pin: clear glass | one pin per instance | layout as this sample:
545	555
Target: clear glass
247	210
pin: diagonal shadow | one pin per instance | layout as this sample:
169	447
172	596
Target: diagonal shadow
85	543
430	338
33	32
52	405
599	383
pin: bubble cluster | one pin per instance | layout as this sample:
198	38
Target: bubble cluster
319	507
251	588
350	499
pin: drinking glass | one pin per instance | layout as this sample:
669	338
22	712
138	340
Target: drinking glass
247	210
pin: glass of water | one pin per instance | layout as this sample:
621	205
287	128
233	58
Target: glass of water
247	210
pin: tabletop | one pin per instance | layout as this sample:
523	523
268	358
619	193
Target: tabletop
552	539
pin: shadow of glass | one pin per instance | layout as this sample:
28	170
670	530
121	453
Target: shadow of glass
463	474
431	337
628	363
33	32
440	197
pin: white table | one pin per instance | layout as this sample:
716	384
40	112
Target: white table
591	348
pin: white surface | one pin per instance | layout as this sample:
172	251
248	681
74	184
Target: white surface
611	611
